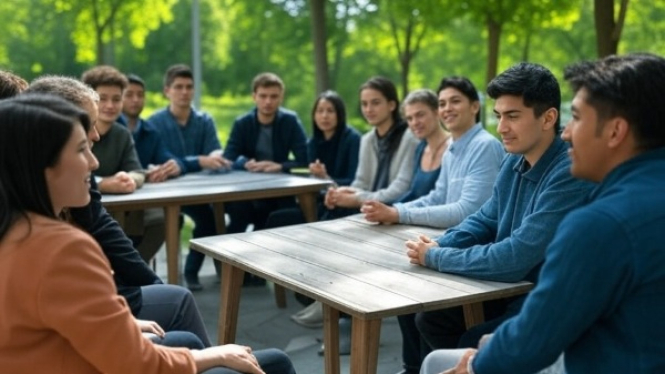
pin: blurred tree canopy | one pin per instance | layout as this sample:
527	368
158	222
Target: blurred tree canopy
415	43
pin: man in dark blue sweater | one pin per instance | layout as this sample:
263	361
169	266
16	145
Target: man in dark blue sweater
601	294
261	141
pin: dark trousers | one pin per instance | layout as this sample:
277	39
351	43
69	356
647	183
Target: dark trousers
272	361
256	212
174	309
204	225
446	329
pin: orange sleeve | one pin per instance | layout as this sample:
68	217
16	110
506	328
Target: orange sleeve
77	298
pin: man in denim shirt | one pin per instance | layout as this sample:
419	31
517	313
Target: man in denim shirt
506	239
190	136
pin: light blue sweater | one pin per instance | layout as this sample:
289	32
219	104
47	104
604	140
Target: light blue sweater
468	171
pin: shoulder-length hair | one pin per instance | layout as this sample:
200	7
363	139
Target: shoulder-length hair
34	129
340	109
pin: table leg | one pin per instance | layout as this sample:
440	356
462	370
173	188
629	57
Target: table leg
172	239
307	203
220	220
331	339
473	314
229	298
365	334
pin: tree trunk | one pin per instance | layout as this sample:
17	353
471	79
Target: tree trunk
608	30
494	36
318	22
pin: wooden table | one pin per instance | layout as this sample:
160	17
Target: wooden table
203	188
350	266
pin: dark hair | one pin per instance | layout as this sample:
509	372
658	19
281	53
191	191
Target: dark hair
536	85
104	75
135	79
463	85
388	90
11	84
340	109
68	88
629	86
34	129
267	80
177	71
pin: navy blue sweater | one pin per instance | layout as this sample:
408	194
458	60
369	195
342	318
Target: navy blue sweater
346	145
601	294
288	137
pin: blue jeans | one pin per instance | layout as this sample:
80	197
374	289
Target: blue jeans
179	339
174	309
272	361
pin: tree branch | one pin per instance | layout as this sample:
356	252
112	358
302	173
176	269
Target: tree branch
618	26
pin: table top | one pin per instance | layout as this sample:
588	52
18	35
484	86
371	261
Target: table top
204	187
357	267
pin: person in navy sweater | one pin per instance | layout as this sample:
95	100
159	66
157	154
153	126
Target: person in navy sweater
601	289
191	136
505	239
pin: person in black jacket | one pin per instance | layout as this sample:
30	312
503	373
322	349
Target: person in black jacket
160	307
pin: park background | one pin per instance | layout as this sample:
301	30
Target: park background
318	44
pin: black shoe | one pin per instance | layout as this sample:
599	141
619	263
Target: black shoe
251	280
193	283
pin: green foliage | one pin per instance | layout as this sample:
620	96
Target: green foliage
241	38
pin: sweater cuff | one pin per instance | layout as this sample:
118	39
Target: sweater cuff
402	214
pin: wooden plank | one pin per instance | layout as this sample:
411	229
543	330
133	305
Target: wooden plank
384	257
312	279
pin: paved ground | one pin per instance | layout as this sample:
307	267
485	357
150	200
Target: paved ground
262	325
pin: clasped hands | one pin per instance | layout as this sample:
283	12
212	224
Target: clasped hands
417	249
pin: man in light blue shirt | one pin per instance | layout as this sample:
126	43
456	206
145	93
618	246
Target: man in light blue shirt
506	239
468	169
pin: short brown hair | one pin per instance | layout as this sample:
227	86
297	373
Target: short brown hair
177	71
11	84
104	75
267	80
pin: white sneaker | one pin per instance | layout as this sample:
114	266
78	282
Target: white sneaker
310	317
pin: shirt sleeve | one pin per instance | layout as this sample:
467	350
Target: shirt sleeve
579	282
297	145
510	259
348	158
95	321
476	187
210	138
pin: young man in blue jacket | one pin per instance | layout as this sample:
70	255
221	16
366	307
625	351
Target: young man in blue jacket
191	136
601	289
506	239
